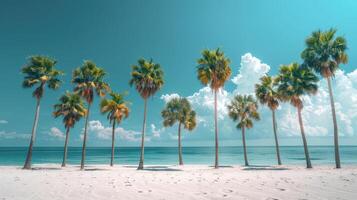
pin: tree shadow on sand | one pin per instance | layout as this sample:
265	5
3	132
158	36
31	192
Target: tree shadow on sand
46	168
222	166
263	167
95	169
161	168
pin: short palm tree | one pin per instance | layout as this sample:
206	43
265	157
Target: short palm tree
244	109
71	108
116	110
324	53
293	82
214	70
148	78
266	93
39	72
179	110
89	80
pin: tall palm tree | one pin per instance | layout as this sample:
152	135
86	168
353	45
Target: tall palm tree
89	80
116	110
266	93
179	110
39	72
214	70
148	78
71	108
324	53
244	109
293	82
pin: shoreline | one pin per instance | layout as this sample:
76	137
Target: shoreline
50	181
238	166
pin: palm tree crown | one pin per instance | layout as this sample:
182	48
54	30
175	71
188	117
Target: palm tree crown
266	92
147	77
244	109
71	107
324	52
295	81
179	110
213	68
89	79
115	107
38	71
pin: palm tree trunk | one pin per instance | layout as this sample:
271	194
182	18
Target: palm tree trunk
65	148
216	165
85	138
113	139
179	145
307	156
244	147
141	162
27	164
276	138
335	128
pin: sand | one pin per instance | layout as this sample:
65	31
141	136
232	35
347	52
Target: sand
178	182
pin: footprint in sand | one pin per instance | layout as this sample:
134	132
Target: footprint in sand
228	191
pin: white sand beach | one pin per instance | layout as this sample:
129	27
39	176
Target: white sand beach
175	182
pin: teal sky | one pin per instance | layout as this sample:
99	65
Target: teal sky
114	34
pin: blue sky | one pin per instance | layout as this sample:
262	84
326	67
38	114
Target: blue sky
258	36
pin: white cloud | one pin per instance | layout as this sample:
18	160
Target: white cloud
3	121
13	135
156	132
249	73
353	77
55	132
317	117
105	133
168	97
203	102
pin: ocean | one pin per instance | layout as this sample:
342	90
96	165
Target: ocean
292	155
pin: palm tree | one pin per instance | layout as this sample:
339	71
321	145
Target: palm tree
244	109
147	77
117	110
88	80
39	72
213	69
267	95
179	110
71	108
324	53
293	82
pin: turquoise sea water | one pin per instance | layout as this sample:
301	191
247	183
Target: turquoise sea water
293	155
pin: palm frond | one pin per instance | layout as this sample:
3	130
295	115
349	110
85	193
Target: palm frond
39	71
243	109
213	68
